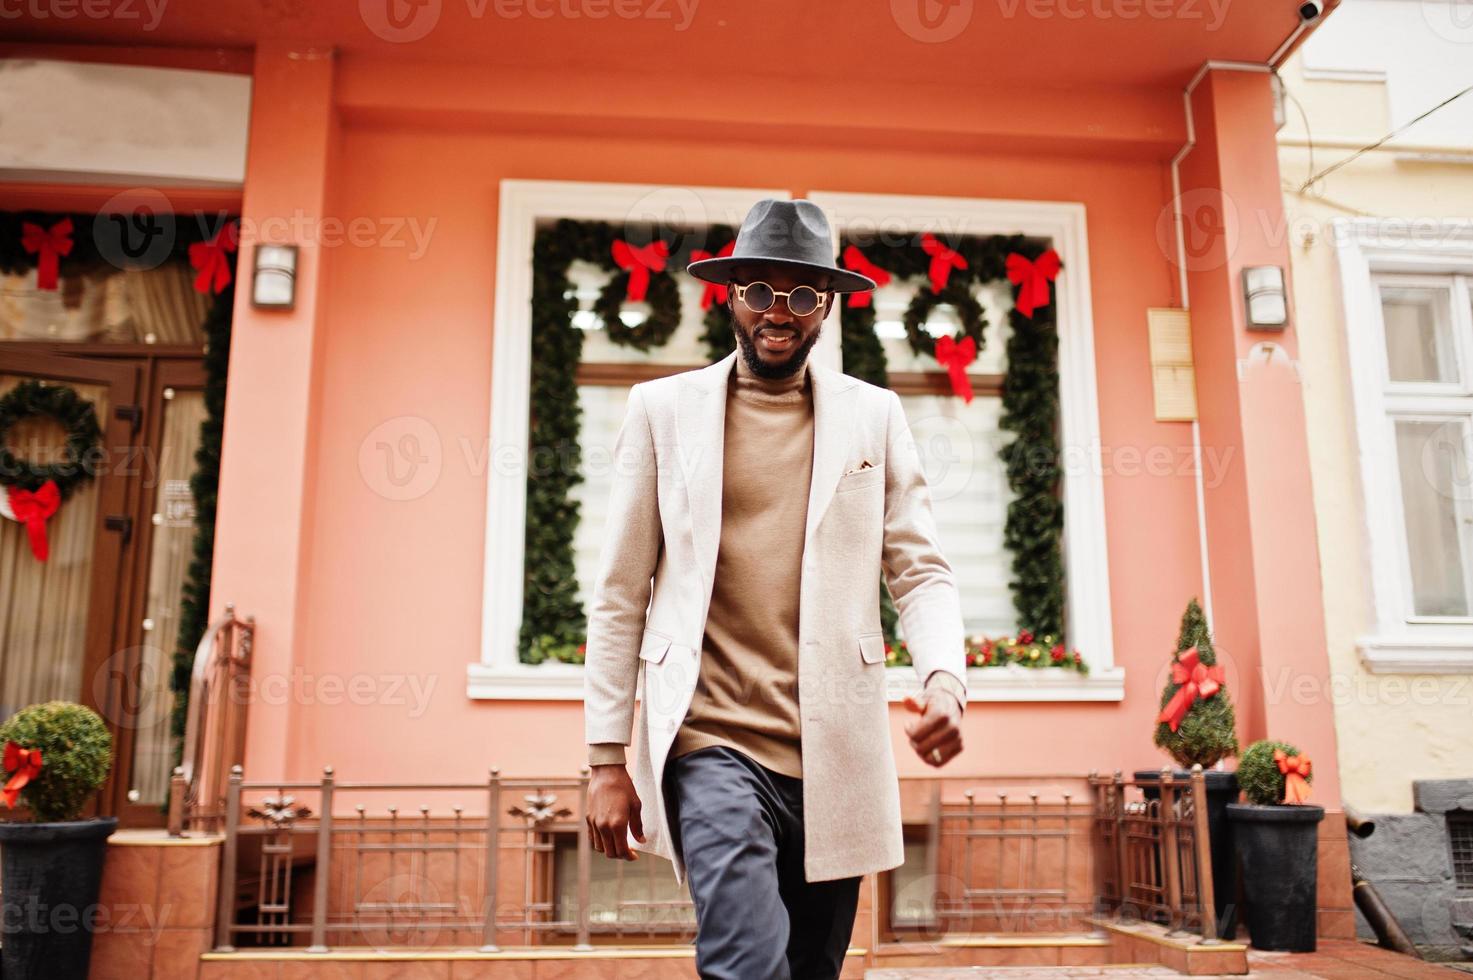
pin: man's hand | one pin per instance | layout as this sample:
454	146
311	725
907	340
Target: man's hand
936	735
613	810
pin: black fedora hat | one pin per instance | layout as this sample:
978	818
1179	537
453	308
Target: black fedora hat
788	233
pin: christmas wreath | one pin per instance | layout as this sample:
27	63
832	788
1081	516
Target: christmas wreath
34	491
32	399
644	279
956	294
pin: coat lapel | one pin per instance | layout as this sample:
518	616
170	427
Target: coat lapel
701	433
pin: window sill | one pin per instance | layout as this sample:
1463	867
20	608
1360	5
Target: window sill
564	682
1393	654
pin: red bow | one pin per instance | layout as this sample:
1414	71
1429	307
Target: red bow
1196	680
943	260
32	509
49	245
639	263
1034	278
955	357
715	291
1296	776
24	765
855	261
210	258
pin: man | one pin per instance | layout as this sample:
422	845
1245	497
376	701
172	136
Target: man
755	503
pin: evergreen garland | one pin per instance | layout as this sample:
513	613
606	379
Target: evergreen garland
717	330
553	621
1035	523
204	484
177	232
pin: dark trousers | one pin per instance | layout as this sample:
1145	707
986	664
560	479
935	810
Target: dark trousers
739	828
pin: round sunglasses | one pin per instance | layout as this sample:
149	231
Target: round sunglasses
759	297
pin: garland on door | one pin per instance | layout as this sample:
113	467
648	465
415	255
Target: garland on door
62	245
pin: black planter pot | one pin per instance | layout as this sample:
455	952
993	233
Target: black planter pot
1278	847
50	875
1222	789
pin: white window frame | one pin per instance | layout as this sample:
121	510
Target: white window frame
1372	252
1086	555
499	674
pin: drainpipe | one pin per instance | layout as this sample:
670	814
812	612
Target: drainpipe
1269	67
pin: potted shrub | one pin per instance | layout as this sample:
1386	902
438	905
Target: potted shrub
1277	839
1197	726
56	755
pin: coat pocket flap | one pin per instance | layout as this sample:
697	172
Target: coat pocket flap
654	647
872	647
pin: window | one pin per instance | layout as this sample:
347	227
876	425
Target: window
1460	836
1408	301
958	442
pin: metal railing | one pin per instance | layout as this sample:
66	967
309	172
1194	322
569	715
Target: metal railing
506	862
1010	860
328	864
214	735
295	871
1153	857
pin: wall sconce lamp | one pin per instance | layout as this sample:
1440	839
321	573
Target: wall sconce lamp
274	285
1264	298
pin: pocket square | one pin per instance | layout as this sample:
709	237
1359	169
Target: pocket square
866	465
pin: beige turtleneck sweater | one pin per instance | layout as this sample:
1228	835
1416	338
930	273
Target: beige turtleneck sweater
746	696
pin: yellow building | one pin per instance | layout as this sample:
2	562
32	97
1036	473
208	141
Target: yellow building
1381	241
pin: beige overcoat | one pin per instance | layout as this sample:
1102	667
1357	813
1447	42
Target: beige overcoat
653	591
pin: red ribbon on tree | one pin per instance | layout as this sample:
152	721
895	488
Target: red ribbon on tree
854	260
48	245
1032	278
955	356
715	291
212	259
943	260
1196	680
33	509
1296	776
639	262
24	765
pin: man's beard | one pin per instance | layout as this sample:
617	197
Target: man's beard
773	372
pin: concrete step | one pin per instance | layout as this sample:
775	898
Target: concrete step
1119	972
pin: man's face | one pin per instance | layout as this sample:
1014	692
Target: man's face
775	343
